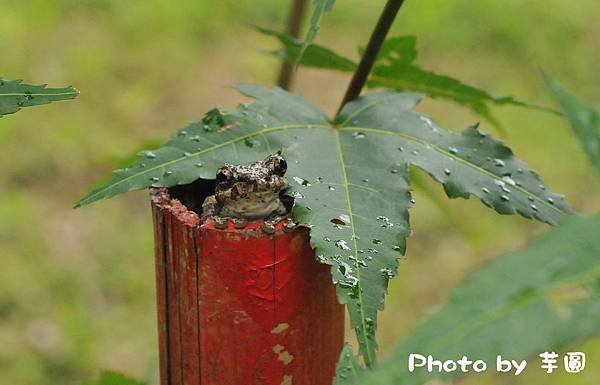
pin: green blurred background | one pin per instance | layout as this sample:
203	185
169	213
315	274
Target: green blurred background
77	286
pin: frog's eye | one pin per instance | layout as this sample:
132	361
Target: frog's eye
223	175
279	165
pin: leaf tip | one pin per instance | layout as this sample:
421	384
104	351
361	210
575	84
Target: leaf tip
80	202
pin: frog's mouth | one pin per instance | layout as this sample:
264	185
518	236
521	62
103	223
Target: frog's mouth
249	189
252	206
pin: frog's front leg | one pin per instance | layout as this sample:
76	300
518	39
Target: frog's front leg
209	207
239	223
272	220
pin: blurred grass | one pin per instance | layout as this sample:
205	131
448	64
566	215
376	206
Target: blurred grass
77	288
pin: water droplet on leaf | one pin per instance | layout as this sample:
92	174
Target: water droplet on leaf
509	180
387	272
342	244
301	181
148	154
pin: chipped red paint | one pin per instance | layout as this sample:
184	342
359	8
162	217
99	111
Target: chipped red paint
238	307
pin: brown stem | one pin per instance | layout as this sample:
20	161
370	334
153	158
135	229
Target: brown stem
286	73
368	59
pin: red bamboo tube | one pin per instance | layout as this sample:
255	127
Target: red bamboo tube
239	307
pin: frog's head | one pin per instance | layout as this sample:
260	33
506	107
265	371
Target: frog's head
261	178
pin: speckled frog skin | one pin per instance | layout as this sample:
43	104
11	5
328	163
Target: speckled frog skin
250	192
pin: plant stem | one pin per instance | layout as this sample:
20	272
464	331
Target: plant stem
294	22
368	59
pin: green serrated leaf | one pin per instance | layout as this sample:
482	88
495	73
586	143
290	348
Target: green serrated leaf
466	163
196	151
584	120
395	69
321	6
113	378
349	178
544	298
14	95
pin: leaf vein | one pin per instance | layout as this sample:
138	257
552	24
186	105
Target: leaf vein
363	326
